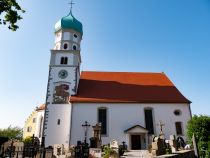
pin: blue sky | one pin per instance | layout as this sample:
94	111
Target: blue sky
119	35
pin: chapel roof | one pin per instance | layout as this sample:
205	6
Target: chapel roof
126	87
41	107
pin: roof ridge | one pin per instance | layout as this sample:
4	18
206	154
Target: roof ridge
124	72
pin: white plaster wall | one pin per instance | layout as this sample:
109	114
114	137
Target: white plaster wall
40	115
58	36
123	116
77	40
58	134
66	35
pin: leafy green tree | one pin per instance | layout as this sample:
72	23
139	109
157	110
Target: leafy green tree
28	140
12	133
10	10
200	127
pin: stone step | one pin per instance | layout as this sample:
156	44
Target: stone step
137	153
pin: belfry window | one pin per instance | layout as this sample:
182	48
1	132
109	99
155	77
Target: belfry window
65	46
74	47
102	118
64	61
75	36
58	122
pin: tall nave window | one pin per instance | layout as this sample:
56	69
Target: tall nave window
102	118
149	120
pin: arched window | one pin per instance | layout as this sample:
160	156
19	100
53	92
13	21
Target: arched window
75	36
58	122
178	126
74	47
102	118
64	61
148	114
65	46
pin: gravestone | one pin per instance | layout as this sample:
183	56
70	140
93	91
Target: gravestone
158	146
114	149
180	143
78	150
95	142
97	134
95	152
172	143
58	151
114	146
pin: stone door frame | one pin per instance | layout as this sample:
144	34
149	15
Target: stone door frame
137	130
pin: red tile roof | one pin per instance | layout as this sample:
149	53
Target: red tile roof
41	107
127	87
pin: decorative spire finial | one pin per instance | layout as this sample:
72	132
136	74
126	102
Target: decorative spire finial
71	5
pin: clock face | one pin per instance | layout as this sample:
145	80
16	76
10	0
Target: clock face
63	74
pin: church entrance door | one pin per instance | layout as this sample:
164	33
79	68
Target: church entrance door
135	142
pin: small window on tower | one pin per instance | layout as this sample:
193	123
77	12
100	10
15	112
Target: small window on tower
66	60
65	46
58	122
75	36
62	60
74	47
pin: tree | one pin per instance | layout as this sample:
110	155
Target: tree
12	133
200	127
28	140
11	12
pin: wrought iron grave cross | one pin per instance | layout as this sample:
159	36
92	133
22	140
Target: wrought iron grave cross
86	125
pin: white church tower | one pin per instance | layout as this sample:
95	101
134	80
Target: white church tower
64	74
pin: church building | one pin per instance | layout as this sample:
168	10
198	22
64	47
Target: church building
129	105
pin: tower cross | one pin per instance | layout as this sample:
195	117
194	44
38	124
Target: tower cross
71	5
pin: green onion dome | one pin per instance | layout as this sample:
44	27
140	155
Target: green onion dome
69	22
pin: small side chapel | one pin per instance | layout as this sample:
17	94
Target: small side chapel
129	105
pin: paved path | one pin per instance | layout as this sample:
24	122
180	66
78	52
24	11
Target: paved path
137	153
